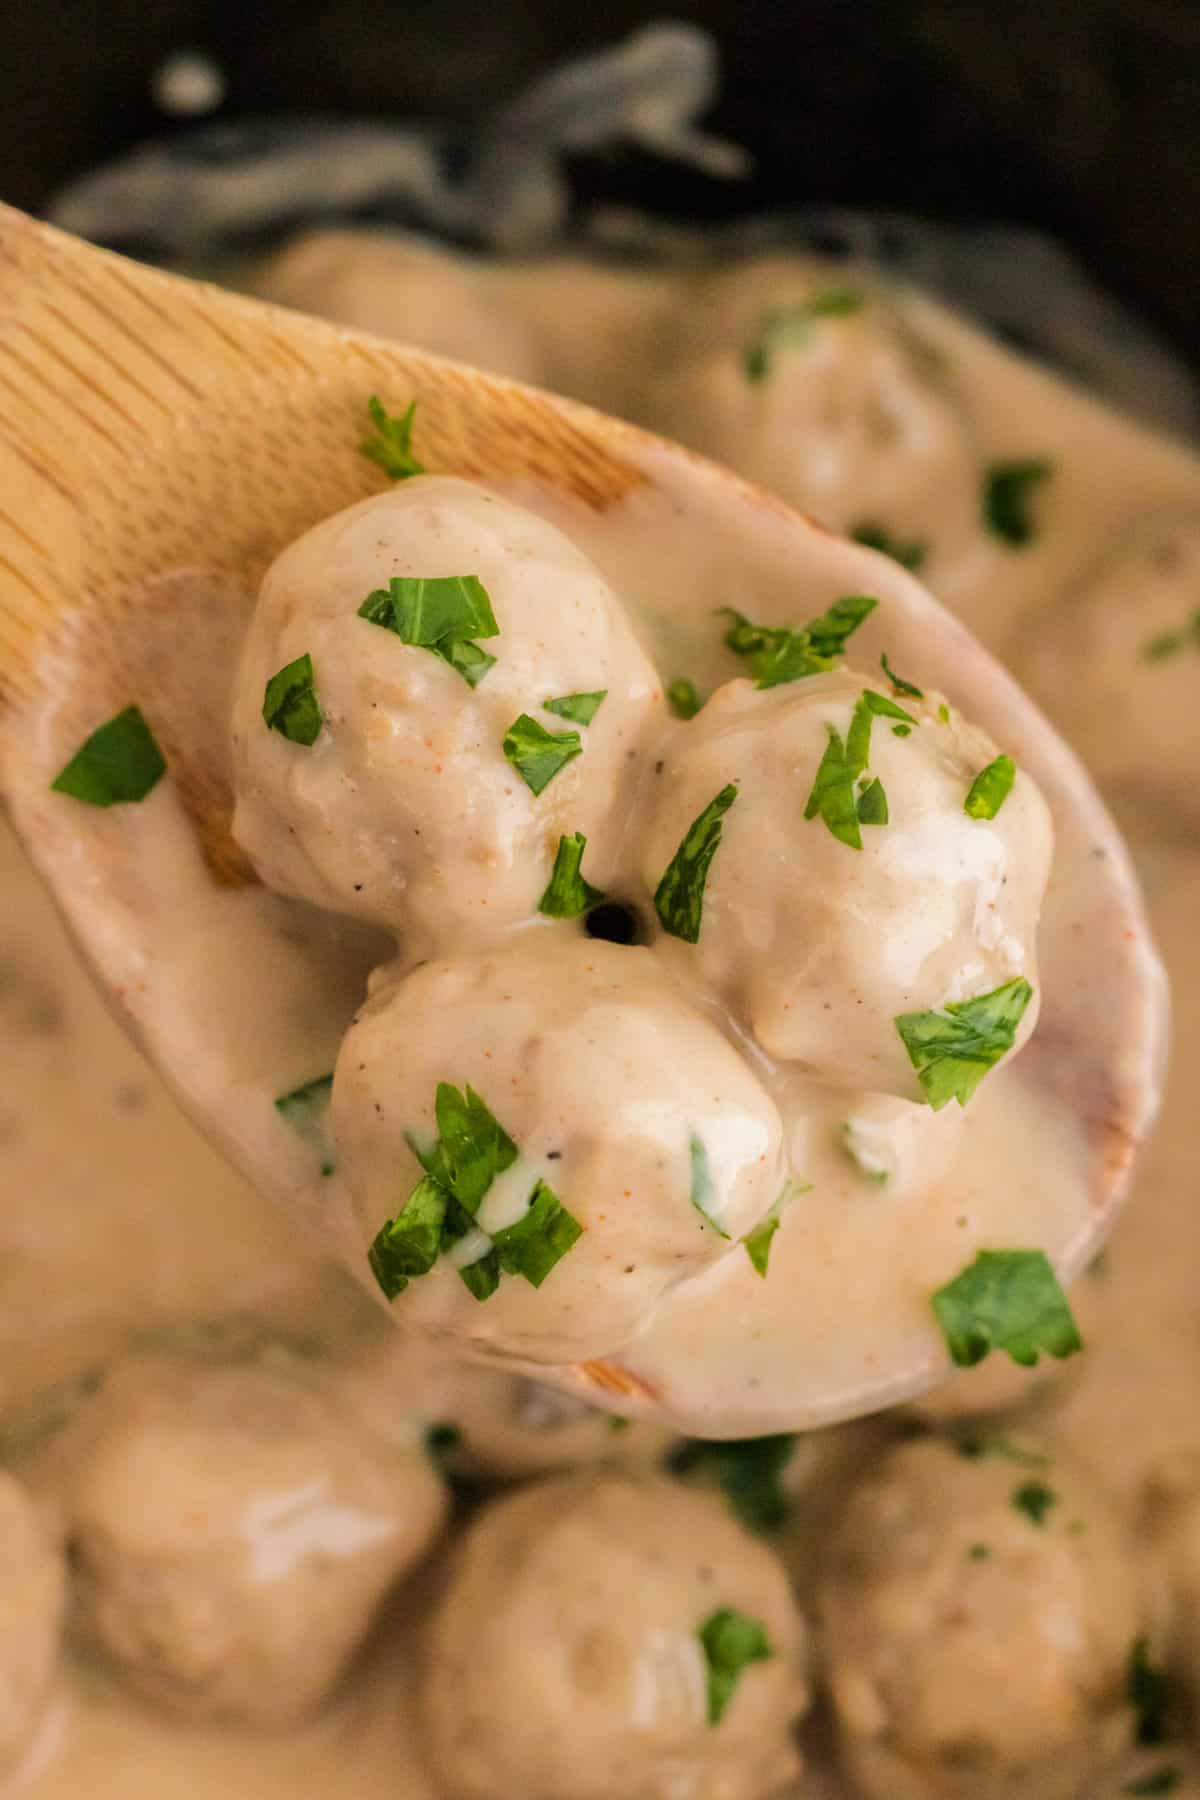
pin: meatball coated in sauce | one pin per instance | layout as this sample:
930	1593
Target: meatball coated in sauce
405	810
628	1105
1116	663
565	1660
978	1615
233	1538
32	1597
818	946
824	393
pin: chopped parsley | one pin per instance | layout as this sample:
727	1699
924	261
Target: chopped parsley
1170	643
683	699
944	713
953	1048
974	1447
1034	1499
990	788
833	798
539	1239
568	894
1008	489
442	1440
1148	1692
290	704
872	804
757	1243
581	709
1160	1781
790	327
439	613
390	445
410	1244
748	1471
909	555
701	1186
116	766
539	755
471	1149
306	1110
898	682
731	1641
679	897
1006	1300
978	1553
777	654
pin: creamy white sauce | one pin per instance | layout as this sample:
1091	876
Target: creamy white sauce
118	1220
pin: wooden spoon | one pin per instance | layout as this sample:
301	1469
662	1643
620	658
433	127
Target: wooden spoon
160	442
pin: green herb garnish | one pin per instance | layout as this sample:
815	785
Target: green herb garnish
731	1641
1008	489
679	897
306	1110
471	1149
898	682
777	654
790	327
701	1186
1006	1300
979	1553
442	1440
410	1244
1170	643
439	613
683	699
290	704
877	537
581	709
1034	1499
757	1243
116	766
953	1048
1149	1693
391	444
1161	1781
944	713
537	754
973	1446
748	1471
540	1239
990	788
568	894
833	798
872	804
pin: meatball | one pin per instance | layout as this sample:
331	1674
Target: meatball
980	1604
233	1539
32	1594
577	1651
405	808
1116	665
817	945
601	1140
827	394
403	289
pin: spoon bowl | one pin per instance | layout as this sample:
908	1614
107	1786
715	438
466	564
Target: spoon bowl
161	441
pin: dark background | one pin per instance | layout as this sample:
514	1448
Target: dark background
1079	116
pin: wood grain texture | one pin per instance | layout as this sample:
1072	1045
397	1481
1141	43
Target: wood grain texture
150	424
